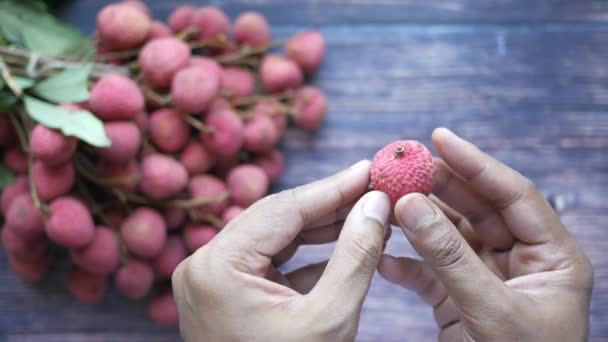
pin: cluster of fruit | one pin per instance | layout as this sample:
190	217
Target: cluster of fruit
194	127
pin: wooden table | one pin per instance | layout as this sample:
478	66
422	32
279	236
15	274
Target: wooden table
525	80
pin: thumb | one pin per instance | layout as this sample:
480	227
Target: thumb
348	274
466	278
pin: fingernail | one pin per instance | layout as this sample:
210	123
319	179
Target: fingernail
360	164
377	207
416	212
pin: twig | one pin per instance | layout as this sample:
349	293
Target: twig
198	217
8	78
196	202
21	134
42	207
159	99
198	124
95	208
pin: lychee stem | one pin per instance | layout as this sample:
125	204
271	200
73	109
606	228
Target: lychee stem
8	78
196	202
399	151
160	99
198	124
198	217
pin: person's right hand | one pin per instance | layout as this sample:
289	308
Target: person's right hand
498	265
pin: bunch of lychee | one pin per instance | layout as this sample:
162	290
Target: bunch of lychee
194	130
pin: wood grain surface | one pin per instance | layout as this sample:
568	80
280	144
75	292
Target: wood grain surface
527	81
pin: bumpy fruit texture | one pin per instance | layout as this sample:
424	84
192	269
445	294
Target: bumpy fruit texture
211	23
7	133
272	163
403	167
52	182
50	146
172	254
310	108
162	176
124	176
161	59
102	255
196	237
208	64
211	188
196	158
237	82
158	29
70	224
123	26
116	97
228	133
251	28
17	187
86	287
261	134
135	279
174	217
126	141
162	309
181	18
30	270
144	233
193	88
231	213
21	248
24	218
168	130
273	109
16	160
307	49
280	74
247	183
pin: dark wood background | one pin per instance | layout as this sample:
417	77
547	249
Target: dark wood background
525	80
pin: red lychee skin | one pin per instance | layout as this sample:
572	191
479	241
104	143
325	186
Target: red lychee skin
211	22
16	160
280	74
237	82
162	176
52	182
196	158
30	270
24	218
261	134
272	163
126	141
228	133
310	108
207	64
158	30
168	130
247	184
50	146
208	187
17	187
307	49
219	104
174	217
224	164
24	249
160	59
196	237
251	28
231	213
173	253
128	174
193	89
162	309
403	167
139	5
135	279
102	255
7	133
70	224
123	26
116	97
181	18
86	287
142	121
272	108
144	233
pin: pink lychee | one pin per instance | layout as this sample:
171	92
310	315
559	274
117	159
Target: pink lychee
227	134
162	176
116	97
280	74
247	183
307	49
160	59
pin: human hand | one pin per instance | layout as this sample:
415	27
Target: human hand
229	290
498	265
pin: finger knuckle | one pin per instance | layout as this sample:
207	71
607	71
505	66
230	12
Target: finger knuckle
364	250
448	250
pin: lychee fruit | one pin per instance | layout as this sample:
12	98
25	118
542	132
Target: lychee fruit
24	249
219	104
7	133
196	237
30	270
116	97
102	255
261	134
251	28
86	287
168	130
144	233
52	182
231	213
208	64
16	160
142	121
24	218
227	135
172	254
139	5
272	163
160	59
135	279
50	146
126	141
181	18
123	26
193	88
237	82
211	23
162	309
247	184
174	217
280	74
162	176
124	176
158	29
403	167
307	49
17	187
310	108
210	188
272	108
196	158
70	223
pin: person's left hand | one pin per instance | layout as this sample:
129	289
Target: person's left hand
229	290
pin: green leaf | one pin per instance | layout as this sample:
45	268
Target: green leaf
82	124
23	82
70	85
6	176
7	100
